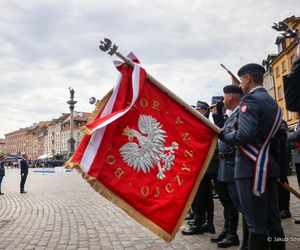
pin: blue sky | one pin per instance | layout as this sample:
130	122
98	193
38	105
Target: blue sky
47	46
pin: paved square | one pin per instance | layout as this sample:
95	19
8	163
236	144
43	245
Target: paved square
61	211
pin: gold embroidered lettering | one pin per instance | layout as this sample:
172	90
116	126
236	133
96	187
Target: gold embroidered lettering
185	168
156	105
178	180
186	136
169	188
119	172
178	121
157	192
110	160
144	103
145	191
188	153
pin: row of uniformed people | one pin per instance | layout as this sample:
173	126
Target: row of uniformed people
247	171
222	166
203	206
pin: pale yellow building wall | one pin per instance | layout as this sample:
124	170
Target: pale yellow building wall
281	66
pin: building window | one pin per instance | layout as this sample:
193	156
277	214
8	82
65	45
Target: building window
280	92
281	46
289	115
283	66
277	73
293	58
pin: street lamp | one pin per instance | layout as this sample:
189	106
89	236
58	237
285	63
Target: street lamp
71	141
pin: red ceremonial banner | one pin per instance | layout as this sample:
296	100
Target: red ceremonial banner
151	156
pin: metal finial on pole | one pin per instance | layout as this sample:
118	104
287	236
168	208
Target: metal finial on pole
111	49
107	45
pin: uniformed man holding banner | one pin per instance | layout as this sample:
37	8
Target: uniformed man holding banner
256	170
225	179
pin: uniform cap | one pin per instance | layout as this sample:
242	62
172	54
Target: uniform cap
202	105
232	89
215	100
251	68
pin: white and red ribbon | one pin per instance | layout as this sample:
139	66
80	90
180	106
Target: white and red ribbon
261	157
108	117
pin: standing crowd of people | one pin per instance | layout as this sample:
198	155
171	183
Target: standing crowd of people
23	164
249	165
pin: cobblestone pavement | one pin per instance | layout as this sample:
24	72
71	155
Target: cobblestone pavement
61	211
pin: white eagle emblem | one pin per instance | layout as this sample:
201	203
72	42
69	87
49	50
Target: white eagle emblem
150	149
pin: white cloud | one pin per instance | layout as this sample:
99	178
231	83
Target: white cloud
47	46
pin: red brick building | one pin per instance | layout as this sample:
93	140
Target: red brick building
48	137
2	146
16	141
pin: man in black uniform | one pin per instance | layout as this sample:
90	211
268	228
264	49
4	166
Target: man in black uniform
256	170
225	180
292	87
203	205
279	149
24	173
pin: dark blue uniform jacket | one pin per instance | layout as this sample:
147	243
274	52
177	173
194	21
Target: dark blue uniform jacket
256	116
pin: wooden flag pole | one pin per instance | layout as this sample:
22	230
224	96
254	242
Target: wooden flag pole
107	46
288	188
235	81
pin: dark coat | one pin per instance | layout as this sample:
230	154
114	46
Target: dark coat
257	113
279	148
293	137
226	167
2	168
296	156
292	88
214	164
24	167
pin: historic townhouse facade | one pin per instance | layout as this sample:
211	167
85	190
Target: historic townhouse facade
46	138
79	120
53	145
16	141
281	65
2	146
268	76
